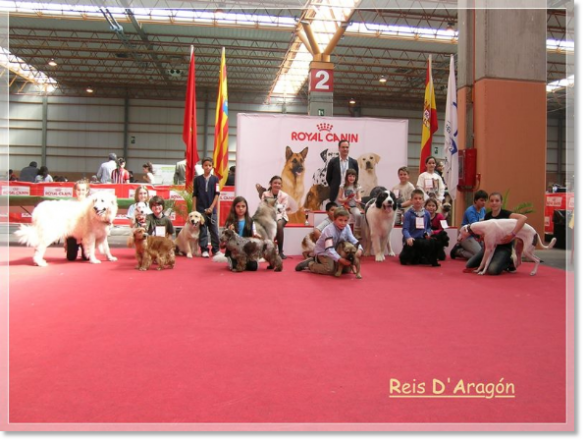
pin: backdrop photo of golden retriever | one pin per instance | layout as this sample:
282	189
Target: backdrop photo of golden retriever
367	173
187	241
87	221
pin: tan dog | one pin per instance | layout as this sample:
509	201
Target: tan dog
308	245
293	175
348	251
368	178
187	241
149	248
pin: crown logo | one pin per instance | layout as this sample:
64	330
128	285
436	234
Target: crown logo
324	127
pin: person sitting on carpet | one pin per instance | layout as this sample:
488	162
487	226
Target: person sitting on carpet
432	205
326	256
417	221
81	191
240	221
157	223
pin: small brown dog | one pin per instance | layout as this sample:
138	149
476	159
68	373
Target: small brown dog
348	251
308	245
149	248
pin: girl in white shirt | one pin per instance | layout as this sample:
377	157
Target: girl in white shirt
430	181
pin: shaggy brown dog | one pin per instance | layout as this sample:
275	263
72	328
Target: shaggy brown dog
348	251
243	250
149	248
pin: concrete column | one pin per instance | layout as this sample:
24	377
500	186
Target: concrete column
507	51
321	101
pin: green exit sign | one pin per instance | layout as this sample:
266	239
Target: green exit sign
321	112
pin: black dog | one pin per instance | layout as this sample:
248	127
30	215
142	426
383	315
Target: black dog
425	251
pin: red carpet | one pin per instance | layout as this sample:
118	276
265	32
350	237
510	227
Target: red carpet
107	343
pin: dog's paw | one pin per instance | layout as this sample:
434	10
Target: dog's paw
95	261
189	255
380	257
391	253
112	258
358	276
41	263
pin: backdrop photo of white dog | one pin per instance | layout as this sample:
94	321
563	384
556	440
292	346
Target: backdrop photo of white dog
87	221
367	173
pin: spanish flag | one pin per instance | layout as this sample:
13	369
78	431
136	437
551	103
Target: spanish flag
430	123
190	125
220	149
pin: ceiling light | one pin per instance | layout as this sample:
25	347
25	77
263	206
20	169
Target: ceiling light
89	90
383	79
351	101
52	62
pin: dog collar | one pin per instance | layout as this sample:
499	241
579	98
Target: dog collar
471	231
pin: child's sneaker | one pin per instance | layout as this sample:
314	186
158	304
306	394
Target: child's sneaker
205	254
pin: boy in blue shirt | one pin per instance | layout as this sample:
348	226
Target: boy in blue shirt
325	254
417	220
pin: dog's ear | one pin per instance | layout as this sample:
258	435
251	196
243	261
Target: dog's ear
260	189
324	155
130	240
288	153
304	152
394	204
376	157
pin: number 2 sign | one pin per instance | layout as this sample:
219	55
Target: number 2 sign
321	80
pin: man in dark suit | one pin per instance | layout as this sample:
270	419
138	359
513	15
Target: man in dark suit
337	167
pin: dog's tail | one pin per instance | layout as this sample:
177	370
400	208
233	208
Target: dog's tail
27	235
219	257
538	241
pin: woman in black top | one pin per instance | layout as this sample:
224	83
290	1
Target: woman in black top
502	259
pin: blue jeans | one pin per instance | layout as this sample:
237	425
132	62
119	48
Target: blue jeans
211	225
501	260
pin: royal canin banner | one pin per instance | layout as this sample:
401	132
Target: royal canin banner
263	141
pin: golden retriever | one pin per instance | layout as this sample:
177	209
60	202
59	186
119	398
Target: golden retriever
187	241
87	221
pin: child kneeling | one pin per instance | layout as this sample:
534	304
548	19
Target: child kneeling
325	250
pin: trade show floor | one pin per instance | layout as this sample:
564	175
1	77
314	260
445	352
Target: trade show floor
200	344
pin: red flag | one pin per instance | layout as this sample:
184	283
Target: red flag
430	122
220	149
190	125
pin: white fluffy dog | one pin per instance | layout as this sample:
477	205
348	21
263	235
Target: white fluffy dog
188	239
88	221
380	216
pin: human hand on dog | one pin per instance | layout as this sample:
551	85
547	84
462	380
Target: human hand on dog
359	253
345	262
410	241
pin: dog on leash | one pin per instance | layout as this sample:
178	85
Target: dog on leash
293	175
380	215
425	251
347	250
149	248
88	221
243	250
187	241
494	230
367	165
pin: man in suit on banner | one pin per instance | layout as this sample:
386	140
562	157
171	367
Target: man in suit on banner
337	168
